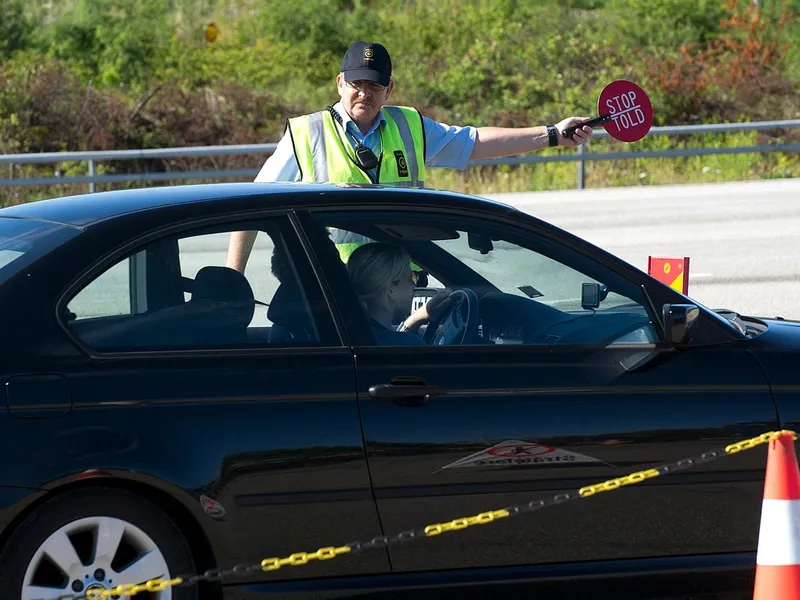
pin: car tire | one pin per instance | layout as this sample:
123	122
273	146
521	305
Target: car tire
68	526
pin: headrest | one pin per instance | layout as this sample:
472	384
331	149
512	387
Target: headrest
227	286
222	284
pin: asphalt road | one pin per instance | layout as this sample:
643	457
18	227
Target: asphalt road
743	239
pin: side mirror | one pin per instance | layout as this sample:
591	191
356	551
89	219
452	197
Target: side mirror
678	318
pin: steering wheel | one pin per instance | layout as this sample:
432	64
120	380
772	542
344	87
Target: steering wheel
456	325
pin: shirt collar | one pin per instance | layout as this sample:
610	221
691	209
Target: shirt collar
350	124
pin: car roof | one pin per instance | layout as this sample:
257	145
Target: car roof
83	210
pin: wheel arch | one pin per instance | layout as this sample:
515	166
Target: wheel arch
196	538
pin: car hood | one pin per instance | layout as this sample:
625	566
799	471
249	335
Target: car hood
777	350
780	332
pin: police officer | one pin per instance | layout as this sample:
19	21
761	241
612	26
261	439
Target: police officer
362	139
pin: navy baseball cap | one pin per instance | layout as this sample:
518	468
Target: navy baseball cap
369	61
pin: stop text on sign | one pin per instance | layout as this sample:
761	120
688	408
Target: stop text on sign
629	109
625	113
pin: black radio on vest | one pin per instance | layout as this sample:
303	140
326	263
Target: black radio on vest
366	157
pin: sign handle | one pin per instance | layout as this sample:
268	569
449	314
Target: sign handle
570	131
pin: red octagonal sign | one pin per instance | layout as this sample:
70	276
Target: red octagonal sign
629	108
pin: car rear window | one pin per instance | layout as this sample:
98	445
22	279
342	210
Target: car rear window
23	241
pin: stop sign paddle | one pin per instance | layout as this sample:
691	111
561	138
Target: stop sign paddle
625	112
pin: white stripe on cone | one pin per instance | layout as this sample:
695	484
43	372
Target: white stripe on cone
779	535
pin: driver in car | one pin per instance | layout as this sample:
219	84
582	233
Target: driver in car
384	283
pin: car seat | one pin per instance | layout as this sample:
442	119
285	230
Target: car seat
222	304
289	314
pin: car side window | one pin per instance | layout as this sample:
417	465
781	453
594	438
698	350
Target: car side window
516	288
107	295
177	294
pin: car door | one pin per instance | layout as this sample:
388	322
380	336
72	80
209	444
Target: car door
554	394
245	410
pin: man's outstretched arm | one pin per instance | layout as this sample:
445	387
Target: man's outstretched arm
497	142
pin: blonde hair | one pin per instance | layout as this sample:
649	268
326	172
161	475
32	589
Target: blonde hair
373	267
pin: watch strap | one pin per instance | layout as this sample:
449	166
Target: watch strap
552	135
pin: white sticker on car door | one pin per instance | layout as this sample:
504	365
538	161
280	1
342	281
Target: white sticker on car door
514	453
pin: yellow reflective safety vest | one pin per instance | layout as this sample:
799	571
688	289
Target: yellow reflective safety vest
324	154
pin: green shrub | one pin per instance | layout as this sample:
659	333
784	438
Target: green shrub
115	43
108	74
16	28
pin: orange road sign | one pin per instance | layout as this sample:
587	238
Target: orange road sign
672	271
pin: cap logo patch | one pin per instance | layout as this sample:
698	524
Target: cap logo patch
369	54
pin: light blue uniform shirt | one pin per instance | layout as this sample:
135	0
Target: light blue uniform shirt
445	146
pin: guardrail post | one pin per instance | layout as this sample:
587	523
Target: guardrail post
91	174
581	168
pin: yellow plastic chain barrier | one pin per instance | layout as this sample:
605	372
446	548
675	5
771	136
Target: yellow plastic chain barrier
330	552
303	558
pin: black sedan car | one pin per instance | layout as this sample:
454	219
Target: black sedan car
167	415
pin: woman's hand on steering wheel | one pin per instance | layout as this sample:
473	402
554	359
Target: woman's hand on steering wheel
454	320
431	310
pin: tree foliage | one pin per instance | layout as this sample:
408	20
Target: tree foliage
101	74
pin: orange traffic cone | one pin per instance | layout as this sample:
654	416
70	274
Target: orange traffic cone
778	557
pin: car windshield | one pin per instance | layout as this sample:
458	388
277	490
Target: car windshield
516	270
22	241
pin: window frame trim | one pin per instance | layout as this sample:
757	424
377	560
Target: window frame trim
137	273
307	274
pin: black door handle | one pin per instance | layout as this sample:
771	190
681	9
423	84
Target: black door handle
408	391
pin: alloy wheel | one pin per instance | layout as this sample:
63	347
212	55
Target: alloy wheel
94	553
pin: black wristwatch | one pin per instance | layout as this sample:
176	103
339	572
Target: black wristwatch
552	135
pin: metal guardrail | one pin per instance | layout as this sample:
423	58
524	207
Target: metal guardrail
581	156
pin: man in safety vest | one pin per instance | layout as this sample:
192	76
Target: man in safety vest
361	139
